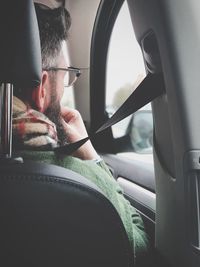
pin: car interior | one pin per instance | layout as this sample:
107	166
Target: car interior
153	154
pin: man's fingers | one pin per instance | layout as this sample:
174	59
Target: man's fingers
70	115
66	113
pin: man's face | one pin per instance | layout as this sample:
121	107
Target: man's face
55	91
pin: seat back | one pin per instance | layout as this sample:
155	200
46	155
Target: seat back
49	216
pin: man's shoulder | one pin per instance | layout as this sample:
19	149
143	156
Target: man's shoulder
49	157
96	173
69	162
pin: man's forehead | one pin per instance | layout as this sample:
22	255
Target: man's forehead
50	3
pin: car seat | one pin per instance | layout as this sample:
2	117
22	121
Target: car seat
49	216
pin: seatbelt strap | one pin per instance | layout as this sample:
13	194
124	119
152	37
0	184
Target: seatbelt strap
149	89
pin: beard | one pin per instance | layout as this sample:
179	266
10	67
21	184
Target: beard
53	112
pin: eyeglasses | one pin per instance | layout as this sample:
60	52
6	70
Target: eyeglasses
71	76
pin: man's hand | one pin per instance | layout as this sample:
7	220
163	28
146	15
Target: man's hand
75	130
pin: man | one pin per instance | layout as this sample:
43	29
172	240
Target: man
40	123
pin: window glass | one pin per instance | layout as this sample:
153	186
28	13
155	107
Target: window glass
125	70
68	96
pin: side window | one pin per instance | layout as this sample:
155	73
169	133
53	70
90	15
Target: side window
125	70
68	95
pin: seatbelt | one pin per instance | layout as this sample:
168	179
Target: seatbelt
149	89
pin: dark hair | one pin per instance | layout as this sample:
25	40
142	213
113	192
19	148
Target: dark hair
53	28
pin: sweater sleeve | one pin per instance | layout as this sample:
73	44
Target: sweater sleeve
130	217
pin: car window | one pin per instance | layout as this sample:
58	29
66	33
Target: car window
68	96
125	70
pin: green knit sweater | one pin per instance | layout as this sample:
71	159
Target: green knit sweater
100	175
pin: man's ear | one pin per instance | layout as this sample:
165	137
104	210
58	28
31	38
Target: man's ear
39	95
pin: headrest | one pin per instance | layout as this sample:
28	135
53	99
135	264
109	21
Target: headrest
20	53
